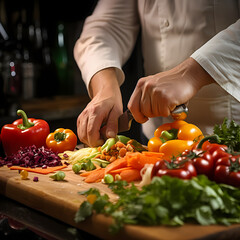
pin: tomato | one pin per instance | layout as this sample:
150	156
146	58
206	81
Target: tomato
179	169
204	164
154	144
227	171
174	147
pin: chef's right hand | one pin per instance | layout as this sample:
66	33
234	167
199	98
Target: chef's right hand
104	109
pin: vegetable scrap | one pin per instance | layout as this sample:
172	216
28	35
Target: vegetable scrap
167	201
35	179
58	176
24	174
39	170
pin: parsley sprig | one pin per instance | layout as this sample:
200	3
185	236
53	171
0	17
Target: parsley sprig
229	134
166	201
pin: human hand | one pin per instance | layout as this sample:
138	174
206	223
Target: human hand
104	108
159	94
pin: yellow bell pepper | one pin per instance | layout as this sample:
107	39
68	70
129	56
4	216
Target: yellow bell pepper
174	138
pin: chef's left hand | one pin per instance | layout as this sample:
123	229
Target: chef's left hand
158	95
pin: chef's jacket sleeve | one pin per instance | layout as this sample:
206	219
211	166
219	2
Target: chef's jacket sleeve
107	39
220	57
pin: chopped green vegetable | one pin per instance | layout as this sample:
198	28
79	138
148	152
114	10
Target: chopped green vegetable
229	134
58	176
108	178
167	201
77	168
108	144
86	165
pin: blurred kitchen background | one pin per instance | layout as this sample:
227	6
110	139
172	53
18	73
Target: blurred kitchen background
37	70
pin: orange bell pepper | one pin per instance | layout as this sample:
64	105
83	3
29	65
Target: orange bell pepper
61	140
174	138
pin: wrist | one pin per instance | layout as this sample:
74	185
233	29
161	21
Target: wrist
104	81
199	75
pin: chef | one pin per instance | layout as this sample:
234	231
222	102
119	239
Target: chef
191	54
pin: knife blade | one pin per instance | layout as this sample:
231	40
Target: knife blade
125	120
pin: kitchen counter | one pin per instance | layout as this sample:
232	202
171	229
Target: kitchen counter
60	201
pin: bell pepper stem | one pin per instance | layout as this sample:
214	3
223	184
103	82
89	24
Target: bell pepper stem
167	135
26	124
212	138
59	136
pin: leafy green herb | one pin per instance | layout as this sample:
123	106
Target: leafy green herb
166	201
229	134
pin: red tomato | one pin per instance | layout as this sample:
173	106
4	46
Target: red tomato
228	171
183	170
204	164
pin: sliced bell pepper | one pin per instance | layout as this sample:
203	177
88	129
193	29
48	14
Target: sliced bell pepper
24	132
61	140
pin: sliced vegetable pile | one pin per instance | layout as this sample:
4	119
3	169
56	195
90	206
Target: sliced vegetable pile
167	201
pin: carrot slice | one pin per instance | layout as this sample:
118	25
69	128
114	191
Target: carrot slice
87	173
153	154
119	163
95	176
138	160
119	170
39	170
130	175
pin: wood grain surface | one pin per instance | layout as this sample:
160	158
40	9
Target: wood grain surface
60	199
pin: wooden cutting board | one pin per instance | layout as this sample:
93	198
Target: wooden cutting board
60	199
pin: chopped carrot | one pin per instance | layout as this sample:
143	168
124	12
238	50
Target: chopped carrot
39	170
119	170
87	173
130	175
119	163
95	176
138	160
153	154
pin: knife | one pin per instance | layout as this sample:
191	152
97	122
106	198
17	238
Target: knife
125	120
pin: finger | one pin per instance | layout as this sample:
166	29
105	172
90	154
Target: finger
93	130
82	128
112	124
134	105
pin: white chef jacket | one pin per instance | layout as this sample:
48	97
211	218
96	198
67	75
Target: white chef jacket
171	31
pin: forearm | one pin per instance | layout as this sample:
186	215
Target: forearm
105	82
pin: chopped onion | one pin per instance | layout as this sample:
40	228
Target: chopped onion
146	172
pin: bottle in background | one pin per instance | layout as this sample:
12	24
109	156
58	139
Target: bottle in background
61	60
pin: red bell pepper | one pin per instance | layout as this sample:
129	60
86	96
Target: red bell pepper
24	132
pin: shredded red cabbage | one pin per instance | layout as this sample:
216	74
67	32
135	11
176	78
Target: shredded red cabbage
32	157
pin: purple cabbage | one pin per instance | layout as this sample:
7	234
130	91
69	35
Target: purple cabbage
33	157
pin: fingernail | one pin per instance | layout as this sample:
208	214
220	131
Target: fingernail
111	134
